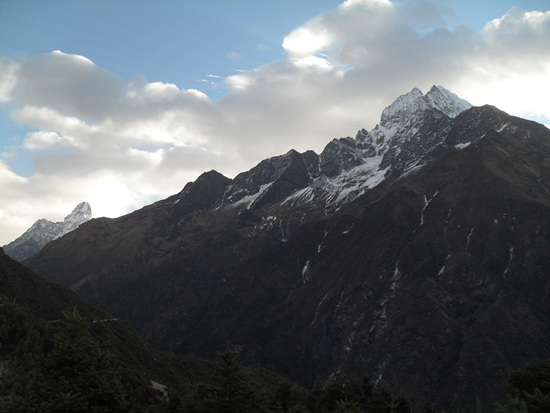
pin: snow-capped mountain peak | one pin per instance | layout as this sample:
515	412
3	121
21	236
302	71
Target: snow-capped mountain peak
403	105
446	101
410	103
79	215
44	231
347	167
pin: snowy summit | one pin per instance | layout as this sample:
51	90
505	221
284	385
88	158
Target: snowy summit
44	231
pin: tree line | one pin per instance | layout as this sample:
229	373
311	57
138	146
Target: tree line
59	367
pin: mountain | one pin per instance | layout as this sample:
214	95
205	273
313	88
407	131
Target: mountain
44	231
37	316
347	167
416	254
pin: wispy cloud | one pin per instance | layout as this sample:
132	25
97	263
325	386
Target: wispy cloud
260	47
233	55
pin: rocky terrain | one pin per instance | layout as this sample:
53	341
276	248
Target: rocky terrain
416	254
44	231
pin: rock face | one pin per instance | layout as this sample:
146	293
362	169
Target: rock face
416	254
348	167
44	231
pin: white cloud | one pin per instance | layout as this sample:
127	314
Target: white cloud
518	31
306	41
348	31
67	83
233	55
45	140
511	64
313	61
121	145
8	79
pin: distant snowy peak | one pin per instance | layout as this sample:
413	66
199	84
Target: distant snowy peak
446	101
44	231
402	106
413	102
82	213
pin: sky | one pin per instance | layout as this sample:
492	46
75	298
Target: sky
121	103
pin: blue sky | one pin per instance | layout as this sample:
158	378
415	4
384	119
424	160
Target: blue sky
193	44
170	41
120	103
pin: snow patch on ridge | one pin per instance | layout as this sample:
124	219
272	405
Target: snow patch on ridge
248	200
460	146
342	188
353	166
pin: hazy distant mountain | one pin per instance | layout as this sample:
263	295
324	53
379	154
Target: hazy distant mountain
416	253
44	231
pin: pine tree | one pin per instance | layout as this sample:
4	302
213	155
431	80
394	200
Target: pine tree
76	375
529	389
227	391
233	393
347	406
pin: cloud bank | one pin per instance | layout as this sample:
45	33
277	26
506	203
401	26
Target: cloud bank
120	145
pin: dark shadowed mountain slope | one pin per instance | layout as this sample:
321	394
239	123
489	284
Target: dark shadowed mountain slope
20	285
33	316
49	302
420	257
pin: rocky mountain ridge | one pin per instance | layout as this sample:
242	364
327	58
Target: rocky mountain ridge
415	254
347	167
44	231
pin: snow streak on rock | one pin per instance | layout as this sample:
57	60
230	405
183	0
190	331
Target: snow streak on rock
348	167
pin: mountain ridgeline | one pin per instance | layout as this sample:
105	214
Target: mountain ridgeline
59	354
416	254
44	231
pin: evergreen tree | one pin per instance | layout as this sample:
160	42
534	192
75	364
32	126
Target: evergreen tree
347	406
76	375
228	391
529	389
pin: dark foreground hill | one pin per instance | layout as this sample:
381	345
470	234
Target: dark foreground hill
85	363
417	254
59	354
